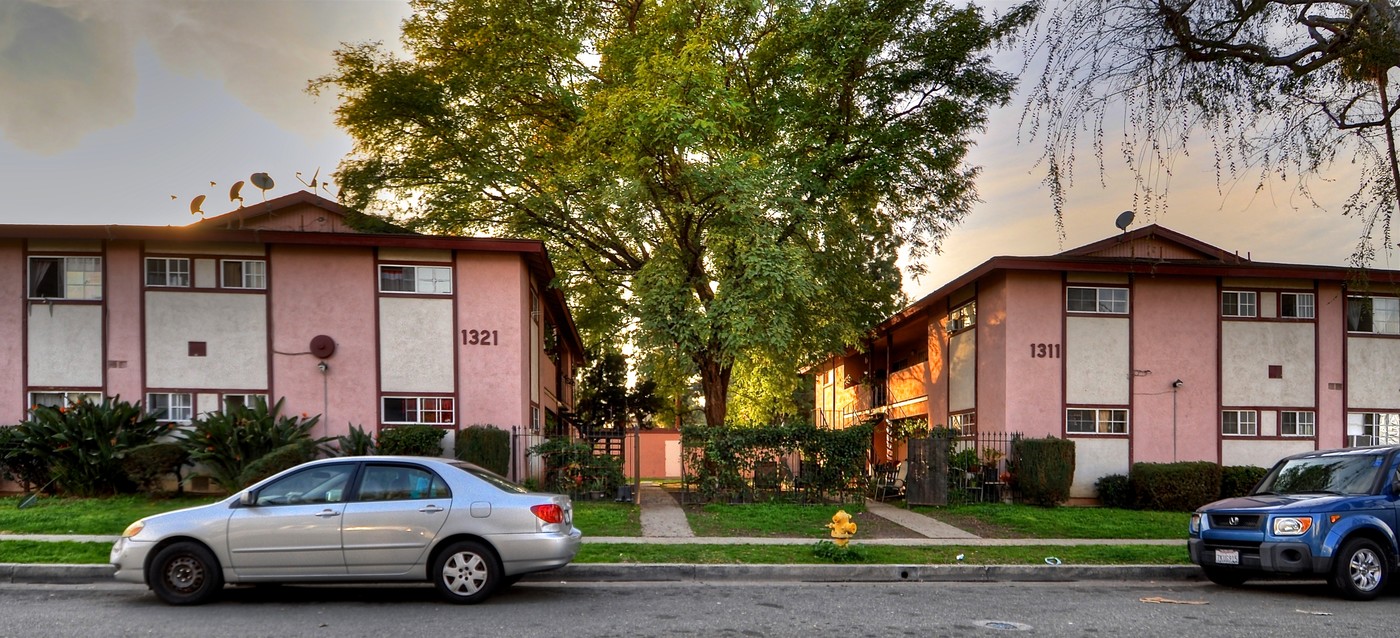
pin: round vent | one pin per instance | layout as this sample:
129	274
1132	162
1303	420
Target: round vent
322	346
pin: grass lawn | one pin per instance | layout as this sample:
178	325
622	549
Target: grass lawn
1029	521
606	518
778	520
62	552
106	516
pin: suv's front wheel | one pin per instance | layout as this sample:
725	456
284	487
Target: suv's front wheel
1226	576
1360	571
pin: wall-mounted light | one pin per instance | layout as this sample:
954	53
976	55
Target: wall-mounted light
323	367
1178	383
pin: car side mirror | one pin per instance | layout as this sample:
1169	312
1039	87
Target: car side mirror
247	499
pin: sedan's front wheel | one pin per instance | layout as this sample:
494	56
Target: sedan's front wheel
185	574
1360	570
466	573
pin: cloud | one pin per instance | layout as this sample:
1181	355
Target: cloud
67	67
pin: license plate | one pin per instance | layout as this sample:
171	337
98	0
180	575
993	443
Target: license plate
1227	557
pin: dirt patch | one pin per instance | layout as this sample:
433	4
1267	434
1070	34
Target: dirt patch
871	526
974	525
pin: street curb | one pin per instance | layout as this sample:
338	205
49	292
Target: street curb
680	572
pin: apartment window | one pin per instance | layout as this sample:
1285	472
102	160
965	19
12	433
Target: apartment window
963	317
65	278
62	398
167	272
419	410
1373	428
1099	300
1239	304
1297	424
427	280
965	422
244	273
1096	421
1376	315
1297	305
1239	422
172	406
242	400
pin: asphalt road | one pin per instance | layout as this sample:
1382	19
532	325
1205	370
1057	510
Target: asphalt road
845	610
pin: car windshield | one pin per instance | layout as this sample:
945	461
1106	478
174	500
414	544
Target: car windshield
1340	474
493	478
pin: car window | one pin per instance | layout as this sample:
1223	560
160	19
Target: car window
320	484
400	482
494	479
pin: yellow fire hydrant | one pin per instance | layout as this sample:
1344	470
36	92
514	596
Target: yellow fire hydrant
842	529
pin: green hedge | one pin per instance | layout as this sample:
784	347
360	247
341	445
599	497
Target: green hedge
1115	490
1175	487
720	460
147	464
1044	469
411	440
1238	480
485	445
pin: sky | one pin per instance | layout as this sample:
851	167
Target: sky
123	111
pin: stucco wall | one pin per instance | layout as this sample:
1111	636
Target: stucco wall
492	295
1095	458
1174	328
1331	408
12	286
1033	396
1248	348
1260	453
65	345
233	327
122	301
415	344
1371	378
1096	360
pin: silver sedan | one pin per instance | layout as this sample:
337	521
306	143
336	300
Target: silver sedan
355	519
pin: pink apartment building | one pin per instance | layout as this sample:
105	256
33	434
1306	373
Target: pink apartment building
1147	346
283	300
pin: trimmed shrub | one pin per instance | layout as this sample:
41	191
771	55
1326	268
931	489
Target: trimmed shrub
357	443
486	446
719	460
82	443
1175	487
224	444
1115	490
147	464
411	440
17	464
282	458
1044	469
572	468
1238	480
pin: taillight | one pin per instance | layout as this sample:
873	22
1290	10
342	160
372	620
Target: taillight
548	512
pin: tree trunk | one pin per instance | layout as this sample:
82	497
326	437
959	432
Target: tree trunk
714	383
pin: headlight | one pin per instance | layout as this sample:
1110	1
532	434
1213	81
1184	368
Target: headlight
134	529
1196	523
1292	525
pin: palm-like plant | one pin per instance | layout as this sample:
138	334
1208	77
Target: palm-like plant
224	445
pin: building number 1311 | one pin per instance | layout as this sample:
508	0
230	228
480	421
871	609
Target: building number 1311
1045	351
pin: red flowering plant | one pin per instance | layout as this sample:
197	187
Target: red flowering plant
83	443
244	444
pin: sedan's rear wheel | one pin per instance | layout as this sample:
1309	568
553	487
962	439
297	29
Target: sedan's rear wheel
185	574
466	573
1360	570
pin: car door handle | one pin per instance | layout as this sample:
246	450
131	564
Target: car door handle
431	509
327	513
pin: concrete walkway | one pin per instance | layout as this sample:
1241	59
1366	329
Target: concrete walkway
928	526
662	516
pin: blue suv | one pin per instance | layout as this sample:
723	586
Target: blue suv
1329	513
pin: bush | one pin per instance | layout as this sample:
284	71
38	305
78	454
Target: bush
412	440
1175	487
572	468
1044	469
82	443
1238	480
486	446
357	443
720	459
225	444
1115	490
282	458
147	464
18	465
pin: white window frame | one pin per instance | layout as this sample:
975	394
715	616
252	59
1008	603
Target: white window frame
1384	321
1105	303
963	317
252	274
179	406
64	397
426	280
1301	309
1372	428
420	406
964	422
1105	420
249	400
1246	304
81	284
1300	423
171	277
1245	423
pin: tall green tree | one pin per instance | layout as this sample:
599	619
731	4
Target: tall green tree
716	179
1277	88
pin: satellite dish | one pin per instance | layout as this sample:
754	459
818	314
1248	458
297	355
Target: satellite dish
262	180
1124	219
195	204
233	194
